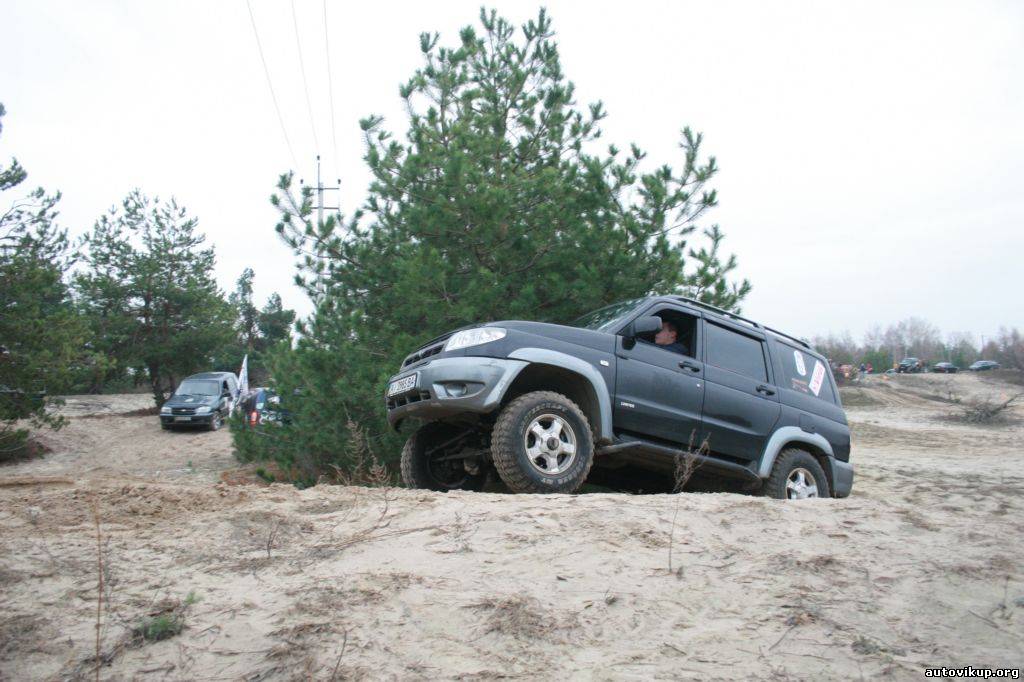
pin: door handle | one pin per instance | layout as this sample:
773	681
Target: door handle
692	366
765	390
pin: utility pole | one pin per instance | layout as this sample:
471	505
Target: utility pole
320	189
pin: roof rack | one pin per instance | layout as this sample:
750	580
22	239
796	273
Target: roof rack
726	313
802	342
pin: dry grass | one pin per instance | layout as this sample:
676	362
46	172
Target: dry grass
986	410
363	466
687	463
523	618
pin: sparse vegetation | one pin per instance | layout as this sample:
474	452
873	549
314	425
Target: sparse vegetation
157	628
686	464
986	410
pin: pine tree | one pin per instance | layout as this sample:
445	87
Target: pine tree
498	204
150	293
257	329
40	335
248	315
275	322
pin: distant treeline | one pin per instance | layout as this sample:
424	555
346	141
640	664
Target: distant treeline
917	338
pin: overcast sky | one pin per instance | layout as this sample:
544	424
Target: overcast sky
872	155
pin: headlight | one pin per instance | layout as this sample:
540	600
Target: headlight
165	410
474	337
202	409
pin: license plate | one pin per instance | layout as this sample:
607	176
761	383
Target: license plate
183	419
401	385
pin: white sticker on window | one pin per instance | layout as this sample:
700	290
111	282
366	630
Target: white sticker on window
798	357
817	377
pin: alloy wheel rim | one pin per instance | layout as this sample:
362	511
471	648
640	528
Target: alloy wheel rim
550	444
801	485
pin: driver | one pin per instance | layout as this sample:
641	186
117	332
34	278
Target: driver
668	338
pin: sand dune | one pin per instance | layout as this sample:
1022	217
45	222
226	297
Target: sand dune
920	567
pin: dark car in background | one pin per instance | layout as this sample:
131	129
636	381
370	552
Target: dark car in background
204	400
983	365
910	366
945	368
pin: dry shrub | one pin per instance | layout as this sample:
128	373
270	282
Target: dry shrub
523	618
363	466
17	446
986	410
688	461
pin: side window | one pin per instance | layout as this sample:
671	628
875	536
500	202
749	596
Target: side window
678	334
805	373
735	352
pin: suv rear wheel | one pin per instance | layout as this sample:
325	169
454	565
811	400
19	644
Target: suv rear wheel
427	461
796	475
542	443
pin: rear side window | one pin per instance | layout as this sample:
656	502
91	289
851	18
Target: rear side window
735	352
805	373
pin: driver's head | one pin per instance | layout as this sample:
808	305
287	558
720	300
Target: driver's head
668	334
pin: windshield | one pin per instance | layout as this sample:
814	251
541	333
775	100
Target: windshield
197	387
603	319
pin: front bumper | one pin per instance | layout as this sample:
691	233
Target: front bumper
449	386
842	478
186	419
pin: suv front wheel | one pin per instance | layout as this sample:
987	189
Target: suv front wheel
796	475
430	460
542	443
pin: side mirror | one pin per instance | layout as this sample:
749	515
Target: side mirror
644	325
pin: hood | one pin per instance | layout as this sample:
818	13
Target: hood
584	337
190	400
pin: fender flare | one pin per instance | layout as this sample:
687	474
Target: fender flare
545	356
785	436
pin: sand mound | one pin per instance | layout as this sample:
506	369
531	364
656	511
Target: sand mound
919	568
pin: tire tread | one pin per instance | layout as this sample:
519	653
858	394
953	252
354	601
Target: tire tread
780	472
504	439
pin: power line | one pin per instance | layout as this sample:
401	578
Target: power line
266	71
330	92
302	67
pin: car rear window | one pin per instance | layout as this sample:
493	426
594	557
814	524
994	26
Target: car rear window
736	352
805	373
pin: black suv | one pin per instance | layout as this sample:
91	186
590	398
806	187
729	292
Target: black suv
910	366
632	384
201	400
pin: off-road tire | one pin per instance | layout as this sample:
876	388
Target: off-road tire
216	421
789	460
416	470
508	446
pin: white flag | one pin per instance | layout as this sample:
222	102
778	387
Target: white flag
243	377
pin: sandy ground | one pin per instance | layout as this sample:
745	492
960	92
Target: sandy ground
921	567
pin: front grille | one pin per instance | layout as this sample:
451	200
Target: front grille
423	354
183	410
400	400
